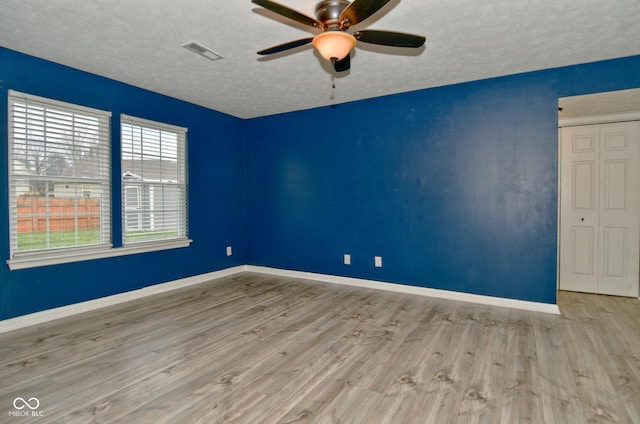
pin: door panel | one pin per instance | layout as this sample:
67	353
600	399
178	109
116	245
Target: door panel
616	250
620	211
615	185
578	216
583	185
583	251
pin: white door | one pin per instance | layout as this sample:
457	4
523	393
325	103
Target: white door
600	208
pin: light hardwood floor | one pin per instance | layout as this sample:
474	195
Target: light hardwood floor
254	349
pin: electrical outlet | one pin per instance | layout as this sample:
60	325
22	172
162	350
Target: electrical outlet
347	259
229	251
378	261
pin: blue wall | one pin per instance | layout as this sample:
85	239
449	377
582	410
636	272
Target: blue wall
216	184
455	187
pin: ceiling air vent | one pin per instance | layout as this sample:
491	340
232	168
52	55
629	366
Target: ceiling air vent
202	50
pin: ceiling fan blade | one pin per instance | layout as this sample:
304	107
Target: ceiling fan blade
342	65
286	46
359	10
289	13
390	38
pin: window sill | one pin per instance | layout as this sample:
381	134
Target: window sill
68	257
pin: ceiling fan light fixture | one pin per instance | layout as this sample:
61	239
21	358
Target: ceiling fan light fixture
334	45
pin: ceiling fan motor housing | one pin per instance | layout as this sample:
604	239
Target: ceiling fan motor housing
328	12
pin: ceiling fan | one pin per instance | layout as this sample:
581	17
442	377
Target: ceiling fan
333	18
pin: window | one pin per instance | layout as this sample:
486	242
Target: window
59	177
153	181
60	183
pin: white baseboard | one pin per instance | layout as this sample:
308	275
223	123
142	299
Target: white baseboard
90	305
420	291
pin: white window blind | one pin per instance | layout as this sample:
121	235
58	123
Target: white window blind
59	176
154	181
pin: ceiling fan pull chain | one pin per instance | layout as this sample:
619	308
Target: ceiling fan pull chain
332	96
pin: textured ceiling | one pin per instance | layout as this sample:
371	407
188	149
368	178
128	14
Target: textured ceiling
140	42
